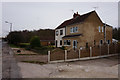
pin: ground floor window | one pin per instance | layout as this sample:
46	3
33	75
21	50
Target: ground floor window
101	41
67	42
86	44
108	41
60	42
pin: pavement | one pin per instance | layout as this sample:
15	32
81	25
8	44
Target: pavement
10	67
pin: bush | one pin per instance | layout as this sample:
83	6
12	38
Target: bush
35	42
63	48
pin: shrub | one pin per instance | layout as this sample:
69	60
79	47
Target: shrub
35	42
63	48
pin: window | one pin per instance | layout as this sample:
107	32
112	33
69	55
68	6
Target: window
87	45
56	33
67	42
61	32
102	29
99	29
101	41
71	30
60	42
108	41
74	29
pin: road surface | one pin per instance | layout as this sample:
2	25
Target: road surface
10	68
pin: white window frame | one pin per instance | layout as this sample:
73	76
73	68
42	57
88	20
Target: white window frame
57	33
102	29
65	41
73	29
75	43
60	32
99	29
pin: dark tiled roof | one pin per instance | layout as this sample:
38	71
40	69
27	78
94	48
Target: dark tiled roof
107	25
72	35
80	18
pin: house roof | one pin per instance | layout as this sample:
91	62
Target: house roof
77	19
107	25
72	35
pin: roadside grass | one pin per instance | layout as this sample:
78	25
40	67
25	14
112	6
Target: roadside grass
35	62
13	46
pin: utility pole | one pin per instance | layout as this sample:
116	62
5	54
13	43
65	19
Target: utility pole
10	25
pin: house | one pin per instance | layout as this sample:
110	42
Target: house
83	31
47	42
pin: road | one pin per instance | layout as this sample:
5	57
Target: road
0	59
10	67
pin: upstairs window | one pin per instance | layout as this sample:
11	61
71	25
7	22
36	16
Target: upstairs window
102	29
56	33
99	29
74	29
71	30
61	32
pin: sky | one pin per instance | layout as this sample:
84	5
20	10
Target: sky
44	15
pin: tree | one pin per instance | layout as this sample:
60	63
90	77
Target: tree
14	38
35	42
116	33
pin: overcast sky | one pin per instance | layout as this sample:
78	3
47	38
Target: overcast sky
37	15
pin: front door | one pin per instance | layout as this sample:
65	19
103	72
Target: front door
74	44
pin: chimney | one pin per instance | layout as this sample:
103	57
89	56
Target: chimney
75	15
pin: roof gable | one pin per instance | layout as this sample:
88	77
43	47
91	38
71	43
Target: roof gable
80	18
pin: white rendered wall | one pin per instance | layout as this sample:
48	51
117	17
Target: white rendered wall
59	37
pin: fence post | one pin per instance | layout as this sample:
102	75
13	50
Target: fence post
90	51
65	55
79	54
48	56
108	49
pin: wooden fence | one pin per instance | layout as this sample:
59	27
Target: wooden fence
84	53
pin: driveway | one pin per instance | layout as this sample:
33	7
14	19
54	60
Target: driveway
98	68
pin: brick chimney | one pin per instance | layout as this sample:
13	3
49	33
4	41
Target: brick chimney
75	15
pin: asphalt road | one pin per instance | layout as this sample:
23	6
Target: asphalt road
10	67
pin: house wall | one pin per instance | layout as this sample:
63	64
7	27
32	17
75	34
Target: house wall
109	33
59	37
90	32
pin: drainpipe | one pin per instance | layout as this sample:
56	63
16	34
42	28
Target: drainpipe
105	33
